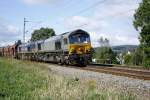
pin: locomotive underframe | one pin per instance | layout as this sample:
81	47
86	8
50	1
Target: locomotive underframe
62	57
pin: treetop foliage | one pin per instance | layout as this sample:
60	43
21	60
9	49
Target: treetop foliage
104	53
103	42
42	34
142	15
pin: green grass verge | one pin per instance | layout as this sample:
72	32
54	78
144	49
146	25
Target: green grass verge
23	80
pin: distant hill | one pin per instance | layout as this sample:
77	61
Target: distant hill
124	48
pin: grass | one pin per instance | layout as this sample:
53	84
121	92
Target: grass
23	80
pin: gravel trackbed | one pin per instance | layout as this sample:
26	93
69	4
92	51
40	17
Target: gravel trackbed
140	88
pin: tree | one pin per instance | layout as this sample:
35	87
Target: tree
103	42
104	53
137	57
142	24
127	59
42	34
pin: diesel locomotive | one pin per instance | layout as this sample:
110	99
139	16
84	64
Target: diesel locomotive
73	48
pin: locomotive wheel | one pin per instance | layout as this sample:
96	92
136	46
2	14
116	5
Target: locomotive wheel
67	62
61	63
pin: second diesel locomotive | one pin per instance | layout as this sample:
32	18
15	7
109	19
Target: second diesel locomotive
68	48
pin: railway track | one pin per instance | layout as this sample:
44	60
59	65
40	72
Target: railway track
128	72
119	71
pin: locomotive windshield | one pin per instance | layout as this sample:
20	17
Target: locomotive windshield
79	38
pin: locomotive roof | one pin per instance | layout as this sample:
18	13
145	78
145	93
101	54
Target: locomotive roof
54	38
71	32
58	37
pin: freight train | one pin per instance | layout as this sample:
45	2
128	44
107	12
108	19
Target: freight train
73	48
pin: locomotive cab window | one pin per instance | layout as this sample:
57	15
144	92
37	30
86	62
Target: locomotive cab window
65	41
79	38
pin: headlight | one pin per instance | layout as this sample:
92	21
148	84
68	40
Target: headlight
72	50
79	49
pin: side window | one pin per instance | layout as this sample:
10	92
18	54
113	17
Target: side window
29	49
57	45
65	41
39	46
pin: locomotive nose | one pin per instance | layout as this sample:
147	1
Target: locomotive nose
79	49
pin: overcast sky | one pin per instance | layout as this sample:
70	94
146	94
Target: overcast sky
112	19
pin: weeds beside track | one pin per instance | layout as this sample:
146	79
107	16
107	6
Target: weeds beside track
25	80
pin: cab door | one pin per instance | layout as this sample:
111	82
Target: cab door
65	44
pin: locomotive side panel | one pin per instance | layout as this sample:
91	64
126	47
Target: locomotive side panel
52	44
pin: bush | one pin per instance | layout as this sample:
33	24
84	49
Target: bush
127	59
147	63
105	55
